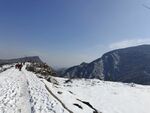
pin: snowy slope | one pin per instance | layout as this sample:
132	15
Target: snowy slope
13	92
105	97
23	92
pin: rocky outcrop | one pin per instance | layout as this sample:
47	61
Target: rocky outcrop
42	70
85	70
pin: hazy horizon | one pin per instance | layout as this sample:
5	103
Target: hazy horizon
66	33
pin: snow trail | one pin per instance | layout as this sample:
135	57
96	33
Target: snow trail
13	92
41	100
23	92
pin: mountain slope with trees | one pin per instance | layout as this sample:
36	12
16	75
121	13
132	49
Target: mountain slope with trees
124	65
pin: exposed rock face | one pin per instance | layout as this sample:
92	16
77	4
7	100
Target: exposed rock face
42	70
125	65
128	65
24	59
84	70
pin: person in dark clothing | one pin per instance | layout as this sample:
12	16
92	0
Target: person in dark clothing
16	66
20	67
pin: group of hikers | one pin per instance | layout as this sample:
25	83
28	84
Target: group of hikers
19	66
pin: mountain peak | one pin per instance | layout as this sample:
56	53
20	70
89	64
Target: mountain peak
124	65
83	63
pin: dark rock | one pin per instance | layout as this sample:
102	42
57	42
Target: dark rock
41	68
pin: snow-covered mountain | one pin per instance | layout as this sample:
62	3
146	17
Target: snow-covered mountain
24	92
125	65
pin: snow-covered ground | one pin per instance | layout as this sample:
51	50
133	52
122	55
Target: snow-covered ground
104	97
23	92
5	67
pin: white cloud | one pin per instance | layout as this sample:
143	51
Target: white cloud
129	43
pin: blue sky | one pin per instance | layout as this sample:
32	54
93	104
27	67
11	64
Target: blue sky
67	32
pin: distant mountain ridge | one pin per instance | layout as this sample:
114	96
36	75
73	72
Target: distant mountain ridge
124	65
23	59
